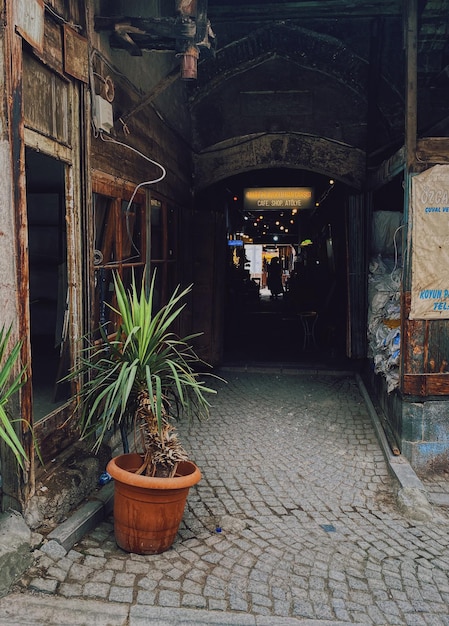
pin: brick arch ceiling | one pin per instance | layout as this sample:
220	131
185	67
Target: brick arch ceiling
327	132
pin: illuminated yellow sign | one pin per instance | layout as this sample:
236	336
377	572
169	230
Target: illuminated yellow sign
275	198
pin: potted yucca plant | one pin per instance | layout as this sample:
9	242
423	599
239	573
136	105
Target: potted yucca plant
12	377
140	379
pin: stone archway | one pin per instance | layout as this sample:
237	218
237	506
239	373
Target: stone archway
290	151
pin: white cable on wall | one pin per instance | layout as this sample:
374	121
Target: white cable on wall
108	139
147	182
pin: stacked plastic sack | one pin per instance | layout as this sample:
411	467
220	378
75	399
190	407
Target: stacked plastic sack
384	318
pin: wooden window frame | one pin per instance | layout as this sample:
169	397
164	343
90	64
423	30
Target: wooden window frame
166	261
116	193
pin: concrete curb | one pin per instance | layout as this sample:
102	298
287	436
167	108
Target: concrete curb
411	494
84	519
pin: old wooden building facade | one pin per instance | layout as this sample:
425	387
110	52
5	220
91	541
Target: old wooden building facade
130	131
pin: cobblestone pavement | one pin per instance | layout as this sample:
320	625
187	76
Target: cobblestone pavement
295	517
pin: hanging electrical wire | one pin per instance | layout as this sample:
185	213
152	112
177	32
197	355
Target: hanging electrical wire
137	187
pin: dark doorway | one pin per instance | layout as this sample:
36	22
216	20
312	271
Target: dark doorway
47	249
305	324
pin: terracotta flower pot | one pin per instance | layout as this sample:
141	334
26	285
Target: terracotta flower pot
148	511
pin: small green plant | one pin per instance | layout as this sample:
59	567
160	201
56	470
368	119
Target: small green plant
144	375
11	381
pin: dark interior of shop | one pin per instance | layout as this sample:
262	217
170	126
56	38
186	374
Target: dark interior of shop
47	269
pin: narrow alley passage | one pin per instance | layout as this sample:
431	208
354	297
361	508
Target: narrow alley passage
295	519
270	332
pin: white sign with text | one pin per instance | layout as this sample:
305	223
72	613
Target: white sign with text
430	244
